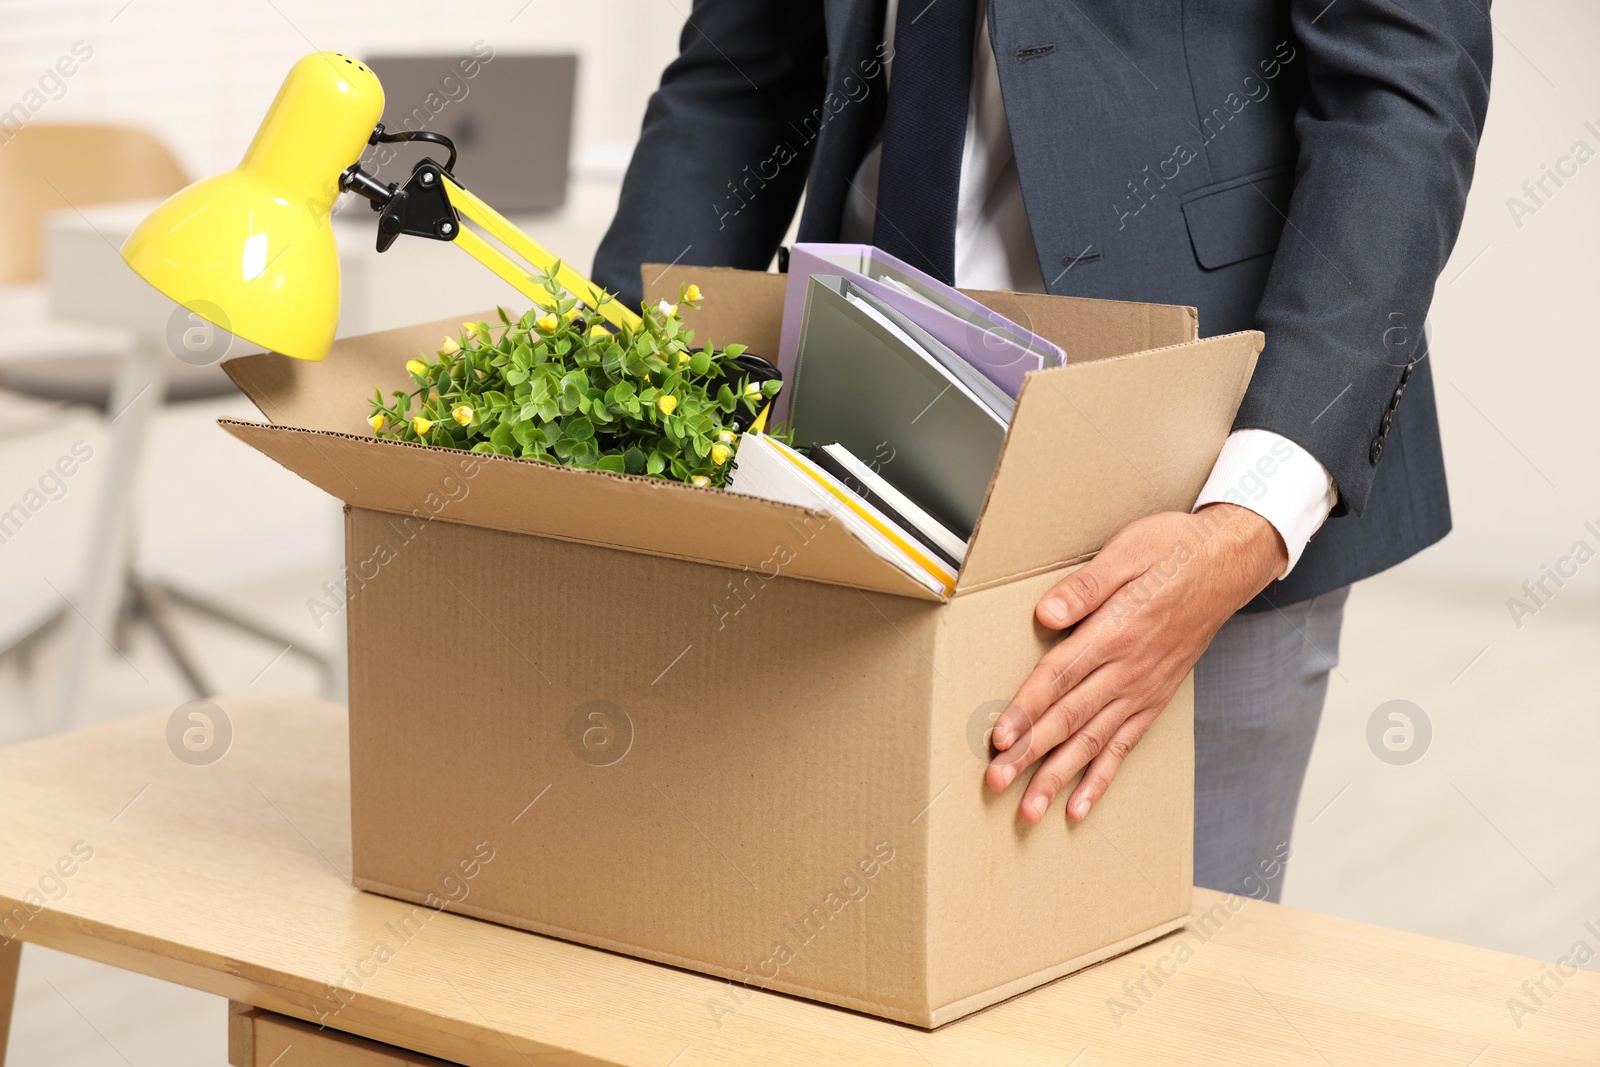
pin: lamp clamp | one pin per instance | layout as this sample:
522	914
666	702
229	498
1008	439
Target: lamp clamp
420	208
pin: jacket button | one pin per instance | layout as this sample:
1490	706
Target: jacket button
1377	450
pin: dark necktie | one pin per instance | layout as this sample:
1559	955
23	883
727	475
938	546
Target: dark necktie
924	131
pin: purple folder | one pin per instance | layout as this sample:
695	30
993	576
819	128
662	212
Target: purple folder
1000	349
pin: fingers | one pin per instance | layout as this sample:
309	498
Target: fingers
1063	721
1103	768
1086	588
1058	769
1056	675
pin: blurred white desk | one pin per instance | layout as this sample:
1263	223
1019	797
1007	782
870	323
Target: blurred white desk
88	286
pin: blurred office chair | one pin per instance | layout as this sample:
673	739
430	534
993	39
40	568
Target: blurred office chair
45	168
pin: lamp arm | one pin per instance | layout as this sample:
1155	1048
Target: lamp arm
432	204
507	233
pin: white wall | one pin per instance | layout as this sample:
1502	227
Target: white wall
1515	348
201	72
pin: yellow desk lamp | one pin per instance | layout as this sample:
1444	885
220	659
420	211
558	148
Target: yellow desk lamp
252	250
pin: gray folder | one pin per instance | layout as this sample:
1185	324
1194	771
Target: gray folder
898	410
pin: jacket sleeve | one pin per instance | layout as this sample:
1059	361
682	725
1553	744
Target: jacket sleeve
712	180
1388	130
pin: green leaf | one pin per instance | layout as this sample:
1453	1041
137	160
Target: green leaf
734	351
580	429
611	463
656	463
527	434
633	461
700	363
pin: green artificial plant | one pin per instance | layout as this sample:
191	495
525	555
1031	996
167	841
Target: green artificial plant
560	386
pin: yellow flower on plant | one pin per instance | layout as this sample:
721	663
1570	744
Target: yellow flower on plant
449	346
417	367
421	425
462	413
667	403
753	389
667	310
548	323
700	480
470	329
725	436
692	294
720	454
376	422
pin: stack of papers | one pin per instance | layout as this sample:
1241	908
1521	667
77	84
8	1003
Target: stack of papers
767	468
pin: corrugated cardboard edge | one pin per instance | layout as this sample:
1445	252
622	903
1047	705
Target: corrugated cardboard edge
938	1016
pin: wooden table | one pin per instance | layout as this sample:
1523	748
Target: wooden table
233	878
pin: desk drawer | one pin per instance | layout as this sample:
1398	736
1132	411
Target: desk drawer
258	1038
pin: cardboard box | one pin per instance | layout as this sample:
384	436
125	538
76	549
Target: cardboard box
720	733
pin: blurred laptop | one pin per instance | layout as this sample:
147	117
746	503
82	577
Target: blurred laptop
511	122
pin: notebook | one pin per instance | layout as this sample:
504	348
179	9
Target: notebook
858	381
767	468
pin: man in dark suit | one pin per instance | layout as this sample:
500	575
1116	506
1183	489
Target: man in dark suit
1297	167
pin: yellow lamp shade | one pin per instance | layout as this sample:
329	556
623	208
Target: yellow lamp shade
252	250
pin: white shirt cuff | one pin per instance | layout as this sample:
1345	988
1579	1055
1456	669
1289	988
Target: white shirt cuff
1276	479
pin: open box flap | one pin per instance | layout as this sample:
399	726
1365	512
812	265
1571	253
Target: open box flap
1093	446
1088	328
332	394
646	515
739	306
747	306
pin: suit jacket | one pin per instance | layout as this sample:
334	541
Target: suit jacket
1298	167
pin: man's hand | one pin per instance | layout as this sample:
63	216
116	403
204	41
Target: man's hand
1145	608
